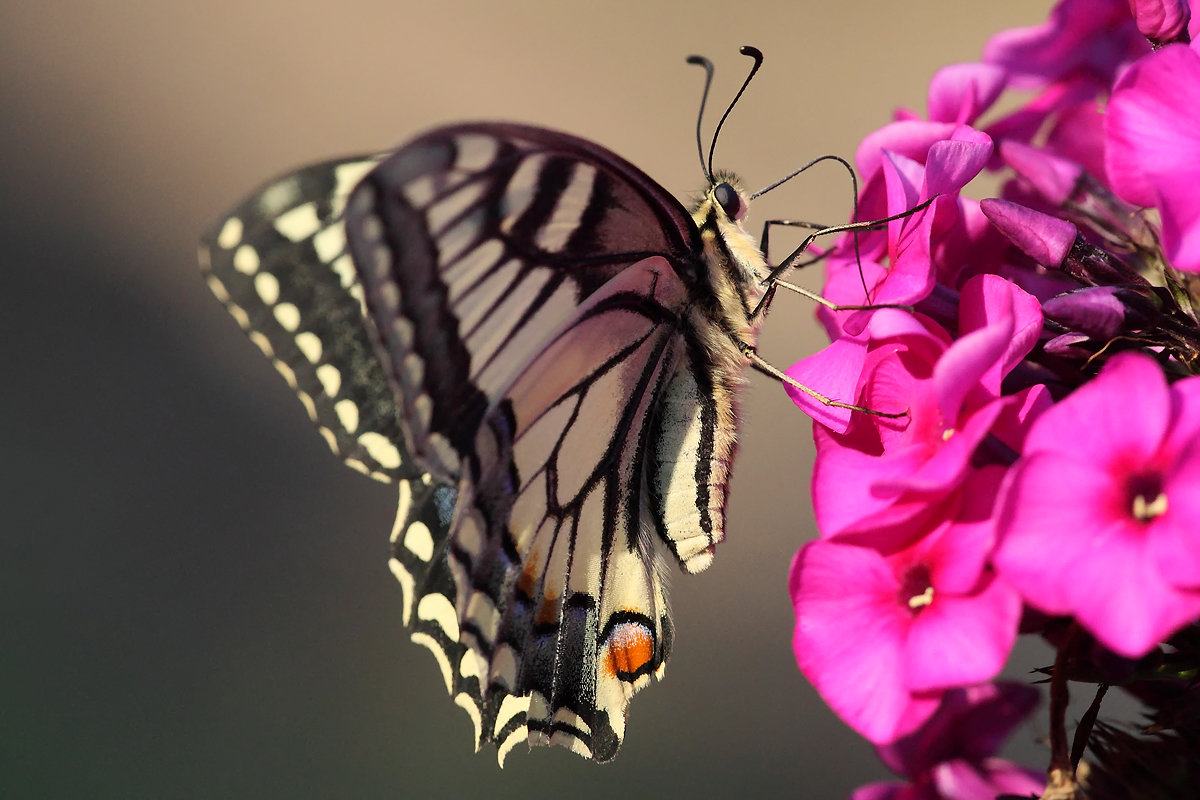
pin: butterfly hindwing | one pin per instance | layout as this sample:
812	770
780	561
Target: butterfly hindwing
561	612
279	264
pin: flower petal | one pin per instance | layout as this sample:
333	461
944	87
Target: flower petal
958	640
838	589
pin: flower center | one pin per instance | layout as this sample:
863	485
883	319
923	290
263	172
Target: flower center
1147	498
916	590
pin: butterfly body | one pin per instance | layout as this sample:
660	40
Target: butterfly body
545	349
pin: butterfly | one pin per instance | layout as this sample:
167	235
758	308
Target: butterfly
545	351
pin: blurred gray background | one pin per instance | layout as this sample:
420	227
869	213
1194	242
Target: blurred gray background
195	595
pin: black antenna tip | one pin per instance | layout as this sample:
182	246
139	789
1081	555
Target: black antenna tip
752	51
701	60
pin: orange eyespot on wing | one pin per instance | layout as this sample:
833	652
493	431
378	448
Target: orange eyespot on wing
630	650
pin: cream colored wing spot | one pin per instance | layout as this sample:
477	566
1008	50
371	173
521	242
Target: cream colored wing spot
217	288
245	260
401	335
472	665
388	295
380	448
418	540
309	406
267	286
347	414
349	175
231	233
413	370
372	228
381	264
425	640
262	342
438	609
408	585
468	704
299	223
243	320
343	267
287	315
503	669
329	438
420	191
510	707
330	378
310	345
423	406
330	243
289	375
475	152
403	504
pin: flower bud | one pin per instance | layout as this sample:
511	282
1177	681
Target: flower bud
1045	239
1162	21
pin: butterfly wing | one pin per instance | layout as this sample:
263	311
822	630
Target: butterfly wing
545	606
525	286
279	264
475	243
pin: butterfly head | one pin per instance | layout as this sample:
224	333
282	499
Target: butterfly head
735	265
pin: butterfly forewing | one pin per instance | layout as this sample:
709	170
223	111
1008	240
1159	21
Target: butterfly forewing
475	244
279	264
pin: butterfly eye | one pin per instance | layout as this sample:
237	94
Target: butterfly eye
729	200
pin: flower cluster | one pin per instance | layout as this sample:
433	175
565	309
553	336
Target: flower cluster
1030	445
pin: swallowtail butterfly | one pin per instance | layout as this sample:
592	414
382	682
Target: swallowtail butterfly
544	350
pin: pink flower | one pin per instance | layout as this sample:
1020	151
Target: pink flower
1084	40
1100	516
882	636
1072	59
1153	156
882	470
951	757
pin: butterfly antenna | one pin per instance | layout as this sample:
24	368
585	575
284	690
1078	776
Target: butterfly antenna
757	55
708	76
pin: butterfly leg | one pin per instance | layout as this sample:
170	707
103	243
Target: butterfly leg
765	367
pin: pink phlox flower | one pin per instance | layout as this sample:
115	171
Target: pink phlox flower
1055	178
962	93
881	469
1078	133
914	140
1083	40
1099	513
1071	61
882	635
911	246
952	756
1153	156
